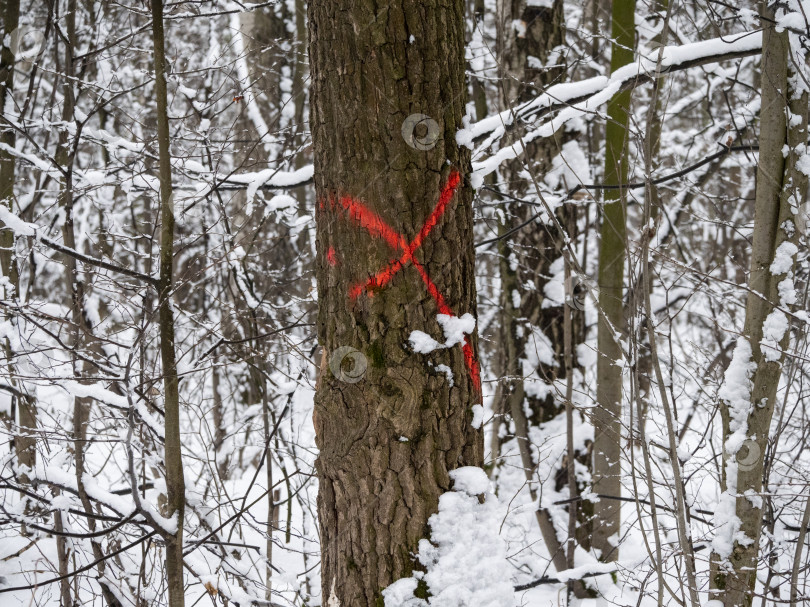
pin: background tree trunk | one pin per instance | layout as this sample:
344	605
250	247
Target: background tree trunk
11	16
389	424
525	268
527	38
780	193
175	482
24	435
612	248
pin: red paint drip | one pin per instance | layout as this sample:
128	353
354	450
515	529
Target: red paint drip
472	363
376	227
331	257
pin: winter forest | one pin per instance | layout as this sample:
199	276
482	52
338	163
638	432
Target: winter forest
483	303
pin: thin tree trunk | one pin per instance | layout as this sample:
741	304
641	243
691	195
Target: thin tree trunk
555	548
389	425
651	208
568	336
613	236
75	288
271	494
299	99
62	559
650	203
11	15
25	434
175	483
797	558
219	421
749	392
479	92
300	73
652	141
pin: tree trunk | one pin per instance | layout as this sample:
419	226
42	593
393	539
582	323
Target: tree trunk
652	148
613	235
749	392
531	252
62	552
76	290
479	91
175	483
394	205
11	16
526	34
25	433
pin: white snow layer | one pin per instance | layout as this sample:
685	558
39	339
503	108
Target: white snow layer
783	258
465	559
773	331
470	479
478	416
423	343
736	392
454	329
15	224
592	93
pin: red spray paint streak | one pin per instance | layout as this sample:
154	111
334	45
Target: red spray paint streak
331	256
377	228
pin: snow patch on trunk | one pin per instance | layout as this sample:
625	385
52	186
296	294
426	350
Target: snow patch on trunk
773	331
465	559
736	392
454	328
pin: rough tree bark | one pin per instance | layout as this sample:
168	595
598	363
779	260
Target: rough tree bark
390	425
747	402
175	483
613	235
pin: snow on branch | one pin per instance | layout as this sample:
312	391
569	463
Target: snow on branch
26	229
267	179
570	99
574	99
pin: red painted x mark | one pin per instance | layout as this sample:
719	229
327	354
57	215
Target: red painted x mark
377	228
